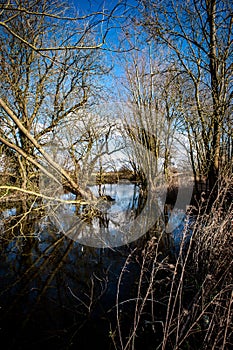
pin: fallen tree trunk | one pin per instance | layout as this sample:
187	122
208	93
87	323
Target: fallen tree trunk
70	183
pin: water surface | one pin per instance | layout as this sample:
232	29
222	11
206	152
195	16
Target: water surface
58	293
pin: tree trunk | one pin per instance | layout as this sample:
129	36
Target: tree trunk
213	64
70	183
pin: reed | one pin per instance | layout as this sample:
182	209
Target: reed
186	302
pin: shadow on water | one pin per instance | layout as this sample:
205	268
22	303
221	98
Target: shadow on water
58	293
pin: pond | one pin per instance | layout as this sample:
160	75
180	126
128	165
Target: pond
60	290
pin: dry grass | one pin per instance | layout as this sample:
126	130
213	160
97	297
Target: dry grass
186	303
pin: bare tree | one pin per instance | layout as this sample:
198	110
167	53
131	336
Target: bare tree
40	92
153	111
198	37
59	15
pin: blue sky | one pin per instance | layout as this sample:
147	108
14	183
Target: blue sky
114	39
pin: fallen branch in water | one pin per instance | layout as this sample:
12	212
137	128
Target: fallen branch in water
40	195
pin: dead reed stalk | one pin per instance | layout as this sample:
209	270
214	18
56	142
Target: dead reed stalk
186	303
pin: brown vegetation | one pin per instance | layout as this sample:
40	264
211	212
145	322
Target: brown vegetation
186	303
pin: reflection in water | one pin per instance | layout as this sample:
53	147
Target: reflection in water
113	223
105	224
56	292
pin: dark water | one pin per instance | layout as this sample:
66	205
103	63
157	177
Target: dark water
57	293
